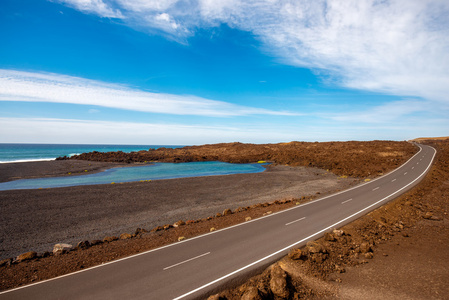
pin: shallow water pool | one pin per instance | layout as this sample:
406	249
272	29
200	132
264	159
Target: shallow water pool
129	174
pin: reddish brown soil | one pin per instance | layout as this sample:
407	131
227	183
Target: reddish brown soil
360	159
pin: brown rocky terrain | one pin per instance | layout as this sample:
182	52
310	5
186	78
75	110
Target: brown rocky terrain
354	159
399	251
316	271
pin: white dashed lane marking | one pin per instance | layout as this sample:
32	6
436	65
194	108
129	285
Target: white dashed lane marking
346	201
295	221
183	262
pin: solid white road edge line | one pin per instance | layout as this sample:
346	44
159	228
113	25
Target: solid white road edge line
214	232
183	262
304	239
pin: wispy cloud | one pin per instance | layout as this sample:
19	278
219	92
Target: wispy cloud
56	88
93	6
398	47
387	113
46	130
51	130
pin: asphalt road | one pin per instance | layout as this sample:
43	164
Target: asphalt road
197	267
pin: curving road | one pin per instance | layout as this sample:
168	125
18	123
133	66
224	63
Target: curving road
199	266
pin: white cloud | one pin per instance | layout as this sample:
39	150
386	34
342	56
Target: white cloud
94	6
44	130
383	114
397	47
46	87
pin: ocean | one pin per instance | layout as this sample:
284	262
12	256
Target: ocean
40	152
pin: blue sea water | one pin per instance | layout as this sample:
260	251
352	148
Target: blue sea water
37	152
128	174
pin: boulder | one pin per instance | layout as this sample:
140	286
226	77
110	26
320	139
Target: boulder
109	239
83	245
26	256
314	247
95	242
139	231
6	262
181	238
338	232
125	236
329	237
227	212
365	247
428	215
61	248
179	223
248	219
278	282
251	293
295	254
159	228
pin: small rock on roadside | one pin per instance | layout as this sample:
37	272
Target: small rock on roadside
278	282
295	254
110	239
248	219
60	248
179	223
6	262
365	248
26	256
428	215
125	236
251	293
329	237
83	245
338	232
227	212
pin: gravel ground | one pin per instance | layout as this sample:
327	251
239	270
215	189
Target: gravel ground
38	219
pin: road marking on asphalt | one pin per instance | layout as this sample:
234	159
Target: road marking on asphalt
228	228
304	239
393	180
346	201
375	188
183	262
405	173
295	221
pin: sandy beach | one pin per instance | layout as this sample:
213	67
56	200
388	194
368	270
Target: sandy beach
38	219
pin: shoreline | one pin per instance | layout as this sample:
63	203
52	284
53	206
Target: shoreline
54	168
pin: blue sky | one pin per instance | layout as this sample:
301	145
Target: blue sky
203	71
